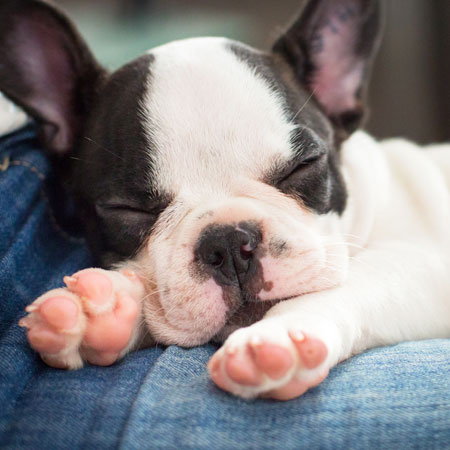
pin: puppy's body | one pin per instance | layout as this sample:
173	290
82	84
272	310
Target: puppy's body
222	184
397	285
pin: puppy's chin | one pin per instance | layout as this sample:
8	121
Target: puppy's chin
186	315
218	316
210	314
247	314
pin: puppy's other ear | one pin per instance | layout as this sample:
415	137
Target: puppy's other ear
330	48
46	68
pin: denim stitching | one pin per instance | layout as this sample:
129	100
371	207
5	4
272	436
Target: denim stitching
51	215
5	164
26	164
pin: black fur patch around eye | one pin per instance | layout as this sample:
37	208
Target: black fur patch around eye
319	185
114	162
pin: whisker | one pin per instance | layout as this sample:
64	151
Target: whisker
344	243
77	159
304	105
149	294
103	148
358	260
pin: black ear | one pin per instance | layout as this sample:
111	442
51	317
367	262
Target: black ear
46	68
331	47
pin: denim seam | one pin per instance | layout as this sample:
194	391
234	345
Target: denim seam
51	215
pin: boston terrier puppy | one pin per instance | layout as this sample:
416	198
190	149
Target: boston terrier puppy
229	197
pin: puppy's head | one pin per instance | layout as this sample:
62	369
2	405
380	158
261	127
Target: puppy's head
214	167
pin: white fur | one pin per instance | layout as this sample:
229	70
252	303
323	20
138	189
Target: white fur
210	118
215	129
398	285
375	276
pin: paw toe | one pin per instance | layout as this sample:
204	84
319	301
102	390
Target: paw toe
100	358
91	285
72	360
107	334
60	312
273	360
45	341
312	351
241	368
290	390
126	308
214	367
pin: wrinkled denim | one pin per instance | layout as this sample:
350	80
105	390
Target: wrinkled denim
394	398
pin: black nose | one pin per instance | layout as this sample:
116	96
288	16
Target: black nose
229	251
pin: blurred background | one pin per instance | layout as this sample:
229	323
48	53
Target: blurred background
410	90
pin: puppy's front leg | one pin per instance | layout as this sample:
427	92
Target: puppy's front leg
397	293
95	319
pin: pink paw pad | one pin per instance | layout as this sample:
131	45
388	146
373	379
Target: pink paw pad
273	360
312	351
60	312
100	358
241	368
48	320
45	340
216	373
110	332
91	286
292	389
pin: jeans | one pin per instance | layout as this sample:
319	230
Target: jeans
394	398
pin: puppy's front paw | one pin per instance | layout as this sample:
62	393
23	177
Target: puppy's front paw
93	319
269	361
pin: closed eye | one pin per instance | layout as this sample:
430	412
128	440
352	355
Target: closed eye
302	165
123	208
128	212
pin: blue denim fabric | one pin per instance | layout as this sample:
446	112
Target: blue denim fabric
394	398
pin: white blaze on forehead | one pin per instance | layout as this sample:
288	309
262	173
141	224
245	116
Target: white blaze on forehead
211	118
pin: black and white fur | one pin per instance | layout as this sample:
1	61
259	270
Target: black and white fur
198	143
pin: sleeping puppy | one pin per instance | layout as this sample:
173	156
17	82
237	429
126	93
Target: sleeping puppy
231	196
